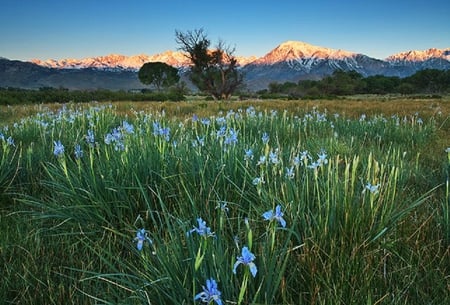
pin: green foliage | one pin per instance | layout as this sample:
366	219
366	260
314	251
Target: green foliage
14	96
159	74
340	83
213	71
360	224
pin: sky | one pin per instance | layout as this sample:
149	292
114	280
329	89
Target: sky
59	29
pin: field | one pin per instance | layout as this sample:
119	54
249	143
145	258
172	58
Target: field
244	202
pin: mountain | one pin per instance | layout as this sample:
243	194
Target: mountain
294	61
116	61
29	75
122	62
412	61
290	61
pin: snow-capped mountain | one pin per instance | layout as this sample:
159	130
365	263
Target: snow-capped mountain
419	56
290	61
412	61
298	53
122	62
116	61
295	60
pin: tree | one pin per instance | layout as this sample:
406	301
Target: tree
159	74
212	71
429	81
380	84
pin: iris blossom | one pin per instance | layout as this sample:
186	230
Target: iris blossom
246	259
202	229
141	237
210	293
372	188
58	149
275	215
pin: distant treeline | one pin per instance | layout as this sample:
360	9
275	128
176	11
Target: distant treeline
430	81
11	96
340	83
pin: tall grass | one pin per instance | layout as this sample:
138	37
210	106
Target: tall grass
359	228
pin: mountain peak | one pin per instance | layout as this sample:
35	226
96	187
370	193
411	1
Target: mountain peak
294	50
419	56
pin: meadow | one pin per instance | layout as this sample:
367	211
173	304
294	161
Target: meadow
243	202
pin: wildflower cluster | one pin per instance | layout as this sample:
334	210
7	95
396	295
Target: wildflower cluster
257	156
160	131
8	141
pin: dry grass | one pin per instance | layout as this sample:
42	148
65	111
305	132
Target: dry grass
351	107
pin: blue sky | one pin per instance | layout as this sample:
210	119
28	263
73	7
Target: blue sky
60	29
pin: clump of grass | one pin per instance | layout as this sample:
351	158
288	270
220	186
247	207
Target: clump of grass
264	206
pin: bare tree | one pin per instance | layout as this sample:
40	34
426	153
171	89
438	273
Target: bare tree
214	71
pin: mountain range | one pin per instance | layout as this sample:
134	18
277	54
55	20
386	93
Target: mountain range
290	61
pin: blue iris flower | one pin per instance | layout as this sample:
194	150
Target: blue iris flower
78	151
202	229
246	259
248	154
90	138
210	293
374	189
141	237
58	149
127	127
10	141
275	215
265	138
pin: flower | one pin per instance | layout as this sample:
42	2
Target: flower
202	229
290	172
258	181
262	160
265	138
127	127
246	259
205	121
116	138
90	138
141	237
275	215
372	188
10	141
222	206
273	157
322	158
78	151
232	138
248	154
58	149
210	293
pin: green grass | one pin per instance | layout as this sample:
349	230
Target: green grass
68	223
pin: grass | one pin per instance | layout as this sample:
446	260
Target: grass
361	185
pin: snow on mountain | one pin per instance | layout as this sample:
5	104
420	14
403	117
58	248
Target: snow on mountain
292	50
420	56
297	55
122	62
116	61
290	61
303	56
